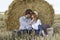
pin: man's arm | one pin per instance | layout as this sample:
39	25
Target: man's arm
23	22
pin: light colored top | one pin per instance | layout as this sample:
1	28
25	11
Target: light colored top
24	23
35	24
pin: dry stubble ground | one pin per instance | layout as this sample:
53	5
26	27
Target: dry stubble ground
9	35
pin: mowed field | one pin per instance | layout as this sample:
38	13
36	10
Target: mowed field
57	19
9	35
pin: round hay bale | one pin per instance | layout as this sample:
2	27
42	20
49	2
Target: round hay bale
18	7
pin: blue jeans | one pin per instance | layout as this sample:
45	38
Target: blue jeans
40	28
20	32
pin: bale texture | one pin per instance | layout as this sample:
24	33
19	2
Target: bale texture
18	7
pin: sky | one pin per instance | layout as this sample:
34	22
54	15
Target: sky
4	4
55	4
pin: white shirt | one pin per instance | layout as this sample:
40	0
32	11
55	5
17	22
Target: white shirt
35	24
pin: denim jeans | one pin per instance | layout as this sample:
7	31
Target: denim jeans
21	32
40	28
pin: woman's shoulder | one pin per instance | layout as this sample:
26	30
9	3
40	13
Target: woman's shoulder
38	20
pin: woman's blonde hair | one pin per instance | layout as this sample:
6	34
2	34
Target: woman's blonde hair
35	16
36	13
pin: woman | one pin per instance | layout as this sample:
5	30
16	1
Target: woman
36	24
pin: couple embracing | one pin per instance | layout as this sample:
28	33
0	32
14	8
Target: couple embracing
29	22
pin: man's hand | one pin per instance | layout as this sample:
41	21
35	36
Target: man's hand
30	23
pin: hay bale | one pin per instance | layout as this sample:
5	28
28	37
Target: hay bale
18	7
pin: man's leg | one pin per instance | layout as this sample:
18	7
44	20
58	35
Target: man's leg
29	31
20	32
25	31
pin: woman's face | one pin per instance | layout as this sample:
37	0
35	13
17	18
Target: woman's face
33	16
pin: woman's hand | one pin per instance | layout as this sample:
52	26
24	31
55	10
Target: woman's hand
31	22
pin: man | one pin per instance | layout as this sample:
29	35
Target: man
24	22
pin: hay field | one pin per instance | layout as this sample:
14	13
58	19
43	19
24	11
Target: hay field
9	35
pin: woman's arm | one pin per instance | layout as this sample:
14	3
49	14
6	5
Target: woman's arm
38	22
31	22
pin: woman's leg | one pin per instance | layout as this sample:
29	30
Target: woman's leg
40	30
45	31
37	32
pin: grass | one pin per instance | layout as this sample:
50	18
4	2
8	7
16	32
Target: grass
9	35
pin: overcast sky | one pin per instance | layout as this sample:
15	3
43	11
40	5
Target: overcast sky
5	3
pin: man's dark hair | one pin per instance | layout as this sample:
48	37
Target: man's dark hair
28	11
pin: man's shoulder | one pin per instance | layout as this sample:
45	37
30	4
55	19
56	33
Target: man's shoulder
22	17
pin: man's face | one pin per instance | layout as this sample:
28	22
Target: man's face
28	16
